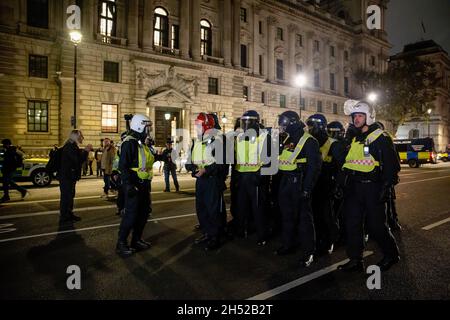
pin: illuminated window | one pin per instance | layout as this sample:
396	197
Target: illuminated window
160	28
205	38
107	18
109	118
37	116
175	37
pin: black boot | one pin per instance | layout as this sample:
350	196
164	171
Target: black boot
203	238
352	266
123	249
306	261
212	244
140	245
387	263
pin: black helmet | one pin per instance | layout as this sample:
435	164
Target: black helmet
317	125
336	130
289	121
6	142
250	120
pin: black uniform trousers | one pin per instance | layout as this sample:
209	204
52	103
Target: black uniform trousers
391	209
67	189
137	210
362	206
208	203
296	214
251	202
325	219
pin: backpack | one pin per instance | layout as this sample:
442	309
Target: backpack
54	162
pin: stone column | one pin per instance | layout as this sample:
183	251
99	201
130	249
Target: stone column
292	69
255	45
184	28
271	21
195	30
147	26
88	19
226	29
237	33
121	19
133	14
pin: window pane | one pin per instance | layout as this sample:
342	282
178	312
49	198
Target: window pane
109	118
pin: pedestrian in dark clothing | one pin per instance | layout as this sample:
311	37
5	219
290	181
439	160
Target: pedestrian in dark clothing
98	159
69	173
12	159
170	167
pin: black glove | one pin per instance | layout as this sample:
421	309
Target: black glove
384	194
305	195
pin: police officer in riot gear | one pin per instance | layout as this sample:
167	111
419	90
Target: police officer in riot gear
135	166
370	166
252	187
333	157
208	187
336	130
299	165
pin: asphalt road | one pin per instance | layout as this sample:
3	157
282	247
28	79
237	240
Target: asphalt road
35	253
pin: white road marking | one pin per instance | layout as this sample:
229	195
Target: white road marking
90	228
300	281
436	224
415	181
78	198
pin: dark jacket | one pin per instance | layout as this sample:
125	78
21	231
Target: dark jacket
167	159
383	151
310	151
10	160
71	160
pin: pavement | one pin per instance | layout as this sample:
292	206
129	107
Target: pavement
35	252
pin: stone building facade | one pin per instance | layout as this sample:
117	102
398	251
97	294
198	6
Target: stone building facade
177	58
437	124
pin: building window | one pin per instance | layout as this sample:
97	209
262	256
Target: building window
109	118
302	103
245	93
243	15
282	101
332	82
372	60
316	78
335	108
263	97
175	42
244	56
107	17
213	86
280	69
37	115
346	55
299	39
332	51
316	46
111	71
205	38
260	64
160	28
298	68
319	106
346	85
260	27
280	34
37	13
37	66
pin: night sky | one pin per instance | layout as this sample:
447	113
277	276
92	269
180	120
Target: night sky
403	22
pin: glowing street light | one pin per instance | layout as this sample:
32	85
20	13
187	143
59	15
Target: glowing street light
300	81
75	37
372	97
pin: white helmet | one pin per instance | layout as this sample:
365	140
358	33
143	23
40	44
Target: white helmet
356	106
139	122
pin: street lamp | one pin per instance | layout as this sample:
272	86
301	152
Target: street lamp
299	82
75	37
224	121
167	116
372	97
428	121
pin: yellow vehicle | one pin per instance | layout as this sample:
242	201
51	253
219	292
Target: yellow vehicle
443	156
416	152
33	169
